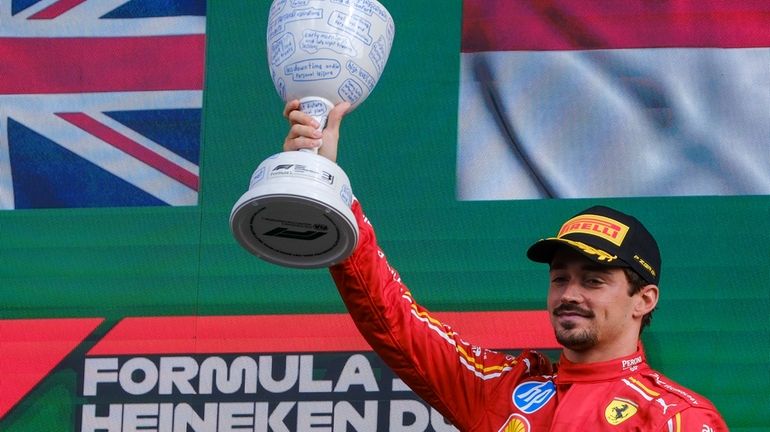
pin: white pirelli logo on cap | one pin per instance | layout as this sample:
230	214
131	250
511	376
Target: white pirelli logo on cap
599	226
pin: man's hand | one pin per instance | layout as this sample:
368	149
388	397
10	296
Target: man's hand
304	132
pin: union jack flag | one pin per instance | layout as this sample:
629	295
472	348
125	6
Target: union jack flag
100	102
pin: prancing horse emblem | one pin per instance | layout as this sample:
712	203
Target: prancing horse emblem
619	410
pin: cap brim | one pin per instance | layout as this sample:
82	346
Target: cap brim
544	250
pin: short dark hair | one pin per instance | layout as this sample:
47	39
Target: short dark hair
635	284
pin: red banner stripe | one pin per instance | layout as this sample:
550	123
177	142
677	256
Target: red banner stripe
56	9
503	25
106	64
31	348
131	147
305	333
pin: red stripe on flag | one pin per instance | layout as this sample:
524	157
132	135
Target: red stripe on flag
305	333
504	25
131	147
56	9
31	348
78	65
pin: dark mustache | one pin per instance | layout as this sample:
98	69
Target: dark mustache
573	309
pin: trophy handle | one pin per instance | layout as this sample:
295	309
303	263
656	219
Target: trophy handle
318	108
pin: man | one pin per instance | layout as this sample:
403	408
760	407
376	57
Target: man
604	272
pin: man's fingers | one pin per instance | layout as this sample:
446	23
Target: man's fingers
298	117
292	105
298	130
301	143
305	131
301	136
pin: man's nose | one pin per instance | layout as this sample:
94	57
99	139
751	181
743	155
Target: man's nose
572	292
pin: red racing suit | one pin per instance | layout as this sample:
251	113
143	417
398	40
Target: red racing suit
483	390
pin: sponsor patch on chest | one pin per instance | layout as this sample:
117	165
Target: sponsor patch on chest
516	423
530	396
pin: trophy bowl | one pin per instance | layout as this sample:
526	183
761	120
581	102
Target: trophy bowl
296	212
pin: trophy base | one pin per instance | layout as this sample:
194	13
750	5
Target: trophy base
297	212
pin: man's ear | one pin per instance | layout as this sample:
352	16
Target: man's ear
648	299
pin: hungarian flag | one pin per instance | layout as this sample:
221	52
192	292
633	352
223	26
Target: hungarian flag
100	102
586	98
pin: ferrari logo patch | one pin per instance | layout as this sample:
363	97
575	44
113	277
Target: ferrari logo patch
619	410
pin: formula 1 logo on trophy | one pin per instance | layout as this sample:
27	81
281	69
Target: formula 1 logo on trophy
296	212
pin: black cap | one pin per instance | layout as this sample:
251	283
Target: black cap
605	236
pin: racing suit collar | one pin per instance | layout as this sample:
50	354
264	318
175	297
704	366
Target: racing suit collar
569	372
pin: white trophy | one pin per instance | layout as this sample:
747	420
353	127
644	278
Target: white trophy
296	212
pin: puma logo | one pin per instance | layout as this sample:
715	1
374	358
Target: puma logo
664	404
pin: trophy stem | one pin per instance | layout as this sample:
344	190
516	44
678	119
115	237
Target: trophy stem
318	108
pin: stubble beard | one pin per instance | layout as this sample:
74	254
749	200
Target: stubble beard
577	340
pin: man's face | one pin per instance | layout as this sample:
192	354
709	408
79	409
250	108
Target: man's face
588	303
